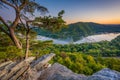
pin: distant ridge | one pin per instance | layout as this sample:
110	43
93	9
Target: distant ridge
93	23
76	31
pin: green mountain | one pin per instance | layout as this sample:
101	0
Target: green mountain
78	30
116	42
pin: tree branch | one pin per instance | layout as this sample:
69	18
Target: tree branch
16	21
23	5
17	13
9	4
22	22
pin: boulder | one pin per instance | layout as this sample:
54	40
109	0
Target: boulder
42	62
60	72
36	67
105	74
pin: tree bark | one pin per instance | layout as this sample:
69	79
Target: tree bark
27	44
14	38
11	29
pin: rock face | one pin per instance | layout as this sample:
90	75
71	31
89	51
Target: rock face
59	72
28	69
39	69
105	74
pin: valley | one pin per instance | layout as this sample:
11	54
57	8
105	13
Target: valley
79	30
88	39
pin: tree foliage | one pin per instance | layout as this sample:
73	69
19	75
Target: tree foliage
21	8
24	9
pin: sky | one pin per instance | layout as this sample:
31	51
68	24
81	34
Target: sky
99	11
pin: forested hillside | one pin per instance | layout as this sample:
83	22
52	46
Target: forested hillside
79	30
81	58
84	58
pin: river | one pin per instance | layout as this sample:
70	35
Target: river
88	39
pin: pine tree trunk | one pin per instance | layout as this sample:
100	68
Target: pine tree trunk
27	44
14	38
12	31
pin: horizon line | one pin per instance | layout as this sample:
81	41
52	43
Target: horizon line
93	22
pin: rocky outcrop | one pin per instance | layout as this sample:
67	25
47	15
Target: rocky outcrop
105	74
28	69
41	62
39	69
14	70
59	72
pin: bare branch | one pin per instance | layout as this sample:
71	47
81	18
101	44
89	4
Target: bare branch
15	22
16	3
23	5
9	4
22	22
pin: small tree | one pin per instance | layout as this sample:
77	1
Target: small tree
21	8
47	22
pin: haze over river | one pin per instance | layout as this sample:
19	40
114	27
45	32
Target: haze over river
89	39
